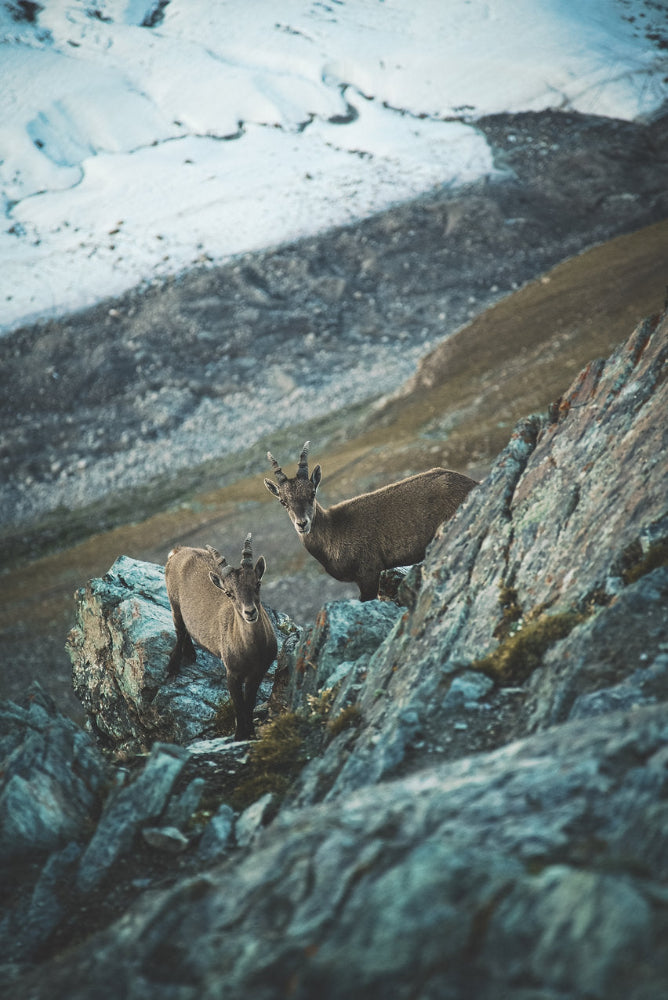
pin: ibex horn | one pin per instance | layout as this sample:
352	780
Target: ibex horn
278	471
302	468
219	562
216	556
247	552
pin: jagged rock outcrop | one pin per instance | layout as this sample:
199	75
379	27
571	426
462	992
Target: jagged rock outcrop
492	823
53	781
545	598
333	652
77	832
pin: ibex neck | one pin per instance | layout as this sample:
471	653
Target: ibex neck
320	517
320	529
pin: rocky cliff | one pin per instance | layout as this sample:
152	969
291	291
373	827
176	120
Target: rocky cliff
458	791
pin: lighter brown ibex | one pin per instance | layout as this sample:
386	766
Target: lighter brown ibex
219	607
356	539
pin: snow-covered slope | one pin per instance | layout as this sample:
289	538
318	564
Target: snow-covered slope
139	137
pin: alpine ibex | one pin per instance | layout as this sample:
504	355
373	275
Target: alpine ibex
219	607
356	539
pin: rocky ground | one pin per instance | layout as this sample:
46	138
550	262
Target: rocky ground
461	792
135	407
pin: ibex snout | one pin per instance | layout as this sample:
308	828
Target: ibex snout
302	525
250	613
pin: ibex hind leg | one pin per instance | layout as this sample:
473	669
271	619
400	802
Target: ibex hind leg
369	588
184	651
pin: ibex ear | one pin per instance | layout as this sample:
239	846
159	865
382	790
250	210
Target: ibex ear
272	487
217	580
260	567
316	476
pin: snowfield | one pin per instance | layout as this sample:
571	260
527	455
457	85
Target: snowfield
140	137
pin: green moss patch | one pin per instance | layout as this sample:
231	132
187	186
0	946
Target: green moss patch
638	563
276	759
517	656
346	719
225	719
511	611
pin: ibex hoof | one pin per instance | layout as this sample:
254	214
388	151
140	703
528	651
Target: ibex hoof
173	666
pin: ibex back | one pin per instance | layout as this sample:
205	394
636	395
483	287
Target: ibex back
219	607
356	539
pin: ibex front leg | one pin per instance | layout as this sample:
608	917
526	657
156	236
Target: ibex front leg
243	717
250	695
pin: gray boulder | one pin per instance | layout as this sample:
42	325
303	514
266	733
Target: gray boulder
120	647
327	652
218	836
52	778
127	810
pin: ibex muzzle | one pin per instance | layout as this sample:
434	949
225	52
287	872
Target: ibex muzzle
357	539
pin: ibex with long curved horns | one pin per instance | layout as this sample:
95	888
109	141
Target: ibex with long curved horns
219	607
356	539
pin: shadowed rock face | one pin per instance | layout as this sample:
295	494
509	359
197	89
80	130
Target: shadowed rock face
493	825
44	800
